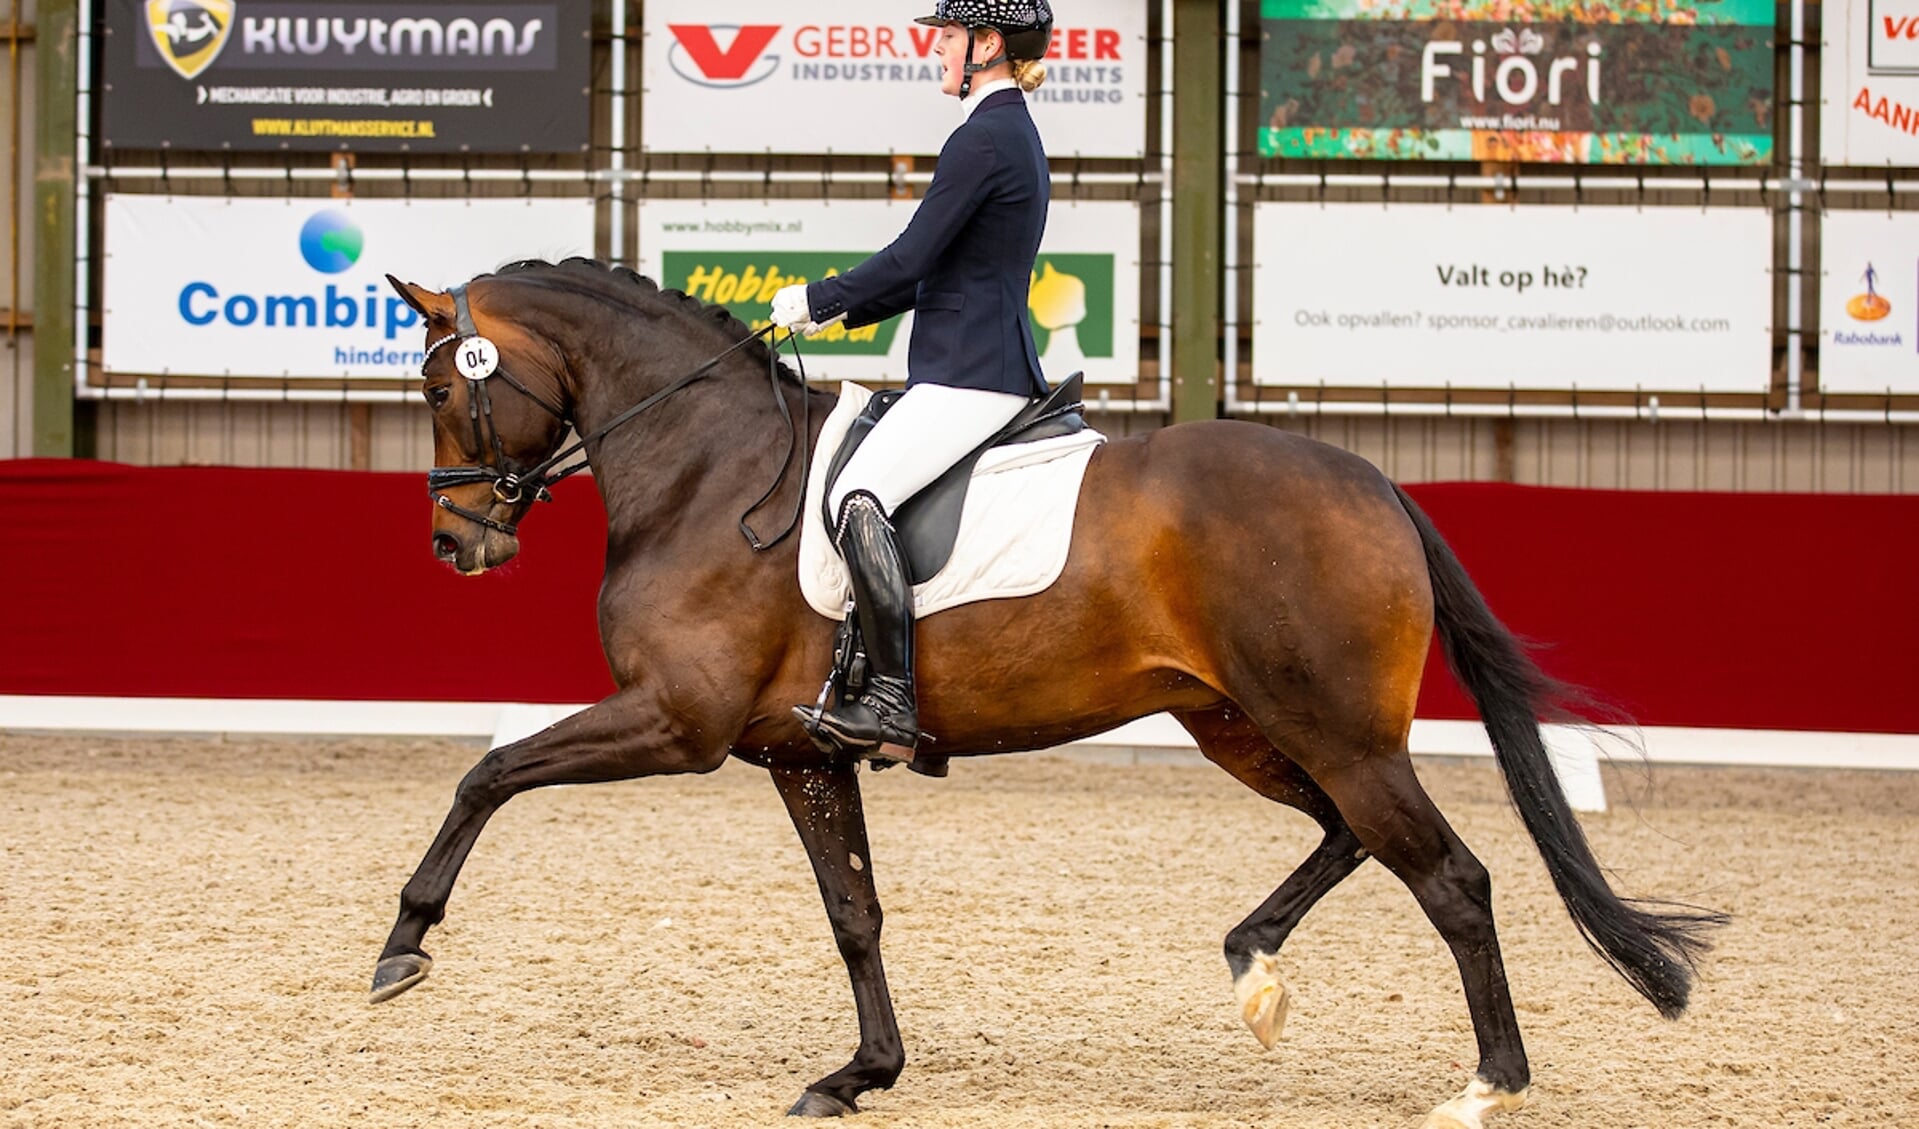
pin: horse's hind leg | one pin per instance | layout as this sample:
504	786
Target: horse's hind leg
1229	739
1387	808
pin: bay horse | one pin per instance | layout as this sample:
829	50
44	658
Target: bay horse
1274	594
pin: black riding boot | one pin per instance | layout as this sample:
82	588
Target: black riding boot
886	712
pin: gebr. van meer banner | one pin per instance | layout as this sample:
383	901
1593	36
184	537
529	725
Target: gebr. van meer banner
1489	297
1613	82
859	76
1869	302
1084	303
423	76
213	286
1870	83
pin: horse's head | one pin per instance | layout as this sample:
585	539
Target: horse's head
501	404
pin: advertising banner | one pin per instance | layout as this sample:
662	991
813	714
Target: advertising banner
1538	297
1085	292
1674	82
1869	302
859	76
424	76
1870	83
213	286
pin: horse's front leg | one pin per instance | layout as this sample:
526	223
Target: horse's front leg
625	736
825	805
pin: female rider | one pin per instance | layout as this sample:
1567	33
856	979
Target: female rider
963	264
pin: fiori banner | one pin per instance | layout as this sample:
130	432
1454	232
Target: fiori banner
424	76
1870	83
1659	82
1084	303
1869	302
859	76
1537	297
296	288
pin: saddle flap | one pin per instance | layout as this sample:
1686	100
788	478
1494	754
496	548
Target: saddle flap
928	523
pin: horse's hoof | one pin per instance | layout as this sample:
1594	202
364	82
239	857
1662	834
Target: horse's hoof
1469	1109
815	1104
1263	999
396	974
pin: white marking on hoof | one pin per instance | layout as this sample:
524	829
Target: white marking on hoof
1467	1111
1263	999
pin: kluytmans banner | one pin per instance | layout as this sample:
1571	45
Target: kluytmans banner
424	76
1537	297
1869	302
1084	304
212	286
1605	82
859	76
1870	83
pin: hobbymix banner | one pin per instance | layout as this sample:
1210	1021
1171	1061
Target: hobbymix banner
1613	82
1869	302
1870	83
1481	296
1084	303
424	76
247	287
859	76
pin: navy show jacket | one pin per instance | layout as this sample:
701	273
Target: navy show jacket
964	263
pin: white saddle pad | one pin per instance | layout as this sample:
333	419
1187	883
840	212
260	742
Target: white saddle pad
1014	532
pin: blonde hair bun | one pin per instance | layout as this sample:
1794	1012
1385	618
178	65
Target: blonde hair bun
1029	73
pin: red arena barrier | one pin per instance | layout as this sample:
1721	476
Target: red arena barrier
1762	611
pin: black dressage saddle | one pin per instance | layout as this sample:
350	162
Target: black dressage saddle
928	523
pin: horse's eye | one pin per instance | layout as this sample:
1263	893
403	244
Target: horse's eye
439	395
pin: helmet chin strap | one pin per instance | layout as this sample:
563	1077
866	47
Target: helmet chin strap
970	68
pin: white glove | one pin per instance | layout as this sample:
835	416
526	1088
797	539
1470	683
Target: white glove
790	311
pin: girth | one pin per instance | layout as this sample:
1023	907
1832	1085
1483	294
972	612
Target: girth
928	523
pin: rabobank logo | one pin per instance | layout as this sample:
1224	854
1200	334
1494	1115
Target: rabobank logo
1870	307
330	242
697	57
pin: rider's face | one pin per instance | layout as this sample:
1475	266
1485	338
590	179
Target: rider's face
951	48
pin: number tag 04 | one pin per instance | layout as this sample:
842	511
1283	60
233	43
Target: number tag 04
477	358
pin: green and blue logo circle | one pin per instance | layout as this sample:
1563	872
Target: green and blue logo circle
331	242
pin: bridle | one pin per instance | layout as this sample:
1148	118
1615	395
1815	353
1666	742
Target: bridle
478	359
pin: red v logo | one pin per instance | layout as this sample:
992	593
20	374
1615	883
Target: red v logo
732	63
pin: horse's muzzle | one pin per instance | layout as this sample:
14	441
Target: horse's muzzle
473	553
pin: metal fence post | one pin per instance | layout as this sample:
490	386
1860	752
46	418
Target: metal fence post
1198	206
55	166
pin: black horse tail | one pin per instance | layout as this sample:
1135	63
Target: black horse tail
1654	945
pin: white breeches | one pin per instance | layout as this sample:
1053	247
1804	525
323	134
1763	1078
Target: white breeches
929	429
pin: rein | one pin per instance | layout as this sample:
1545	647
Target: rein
479	359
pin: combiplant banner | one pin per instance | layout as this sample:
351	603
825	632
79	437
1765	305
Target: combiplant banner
1084	303
212	286
1660	82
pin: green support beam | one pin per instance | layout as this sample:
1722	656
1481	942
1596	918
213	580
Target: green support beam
1198	205
55	92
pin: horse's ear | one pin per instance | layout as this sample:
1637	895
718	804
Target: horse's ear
428	304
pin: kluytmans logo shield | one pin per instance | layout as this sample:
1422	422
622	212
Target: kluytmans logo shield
190	33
